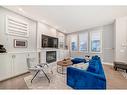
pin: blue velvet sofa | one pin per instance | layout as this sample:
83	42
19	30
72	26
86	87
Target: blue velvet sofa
92	78
78	60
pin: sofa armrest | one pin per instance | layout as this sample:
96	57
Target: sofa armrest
74	71
81	79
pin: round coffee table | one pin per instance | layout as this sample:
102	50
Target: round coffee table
62	65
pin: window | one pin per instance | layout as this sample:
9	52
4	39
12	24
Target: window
83	41
74	44
96	41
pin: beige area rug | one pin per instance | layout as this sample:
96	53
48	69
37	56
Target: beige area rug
57	81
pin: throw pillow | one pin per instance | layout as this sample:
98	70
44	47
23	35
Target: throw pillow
81	65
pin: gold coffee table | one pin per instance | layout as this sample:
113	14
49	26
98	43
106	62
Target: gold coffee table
62	65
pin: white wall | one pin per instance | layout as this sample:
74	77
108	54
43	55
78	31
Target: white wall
44	29
47	30
121	39
107	43
7	40
13	62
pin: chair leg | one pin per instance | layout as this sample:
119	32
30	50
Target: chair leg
115	68
35	75
46	75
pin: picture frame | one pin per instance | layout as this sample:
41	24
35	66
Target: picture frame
20	43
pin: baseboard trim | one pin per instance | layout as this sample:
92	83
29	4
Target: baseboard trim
107	63
14	76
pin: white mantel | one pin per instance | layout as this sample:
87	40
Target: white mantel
61	54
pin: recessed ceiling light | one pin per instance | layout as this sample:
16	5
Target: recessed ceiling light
20	9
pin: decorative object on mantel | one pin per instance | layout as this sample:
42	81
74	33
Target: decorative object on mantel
2	49
19	43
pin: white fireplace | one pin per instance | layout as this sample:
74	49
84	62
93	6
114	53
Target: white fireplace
51	56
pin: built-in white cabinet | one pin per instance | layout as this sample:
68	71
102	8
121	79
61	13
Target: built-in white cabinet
61	38
19	65
61	54
5	66
13	64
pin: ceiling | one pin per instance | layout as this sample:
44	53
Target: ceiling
72	18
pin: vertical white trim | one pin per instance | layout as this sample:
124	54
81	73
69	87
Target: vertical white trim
107	63
87	42
76	41
100	40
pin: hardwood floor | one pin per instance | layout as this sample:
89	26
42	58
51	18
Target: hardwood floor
114	80
14	83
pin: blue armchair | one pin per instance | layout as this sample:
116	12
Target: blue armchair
93	78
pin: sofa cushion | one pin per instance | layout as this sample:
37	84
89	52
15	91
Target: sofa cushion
95	57
92	62
93	67
93	78
97	68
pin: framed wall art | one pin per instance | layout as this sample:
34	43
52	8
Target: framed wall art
19	43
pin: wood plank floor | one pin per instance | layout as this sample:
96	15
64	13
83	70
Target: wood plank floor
114	80
14	83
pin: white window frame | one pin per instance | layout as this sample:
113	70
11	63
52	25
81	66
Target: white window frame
87	43
77	43
100	41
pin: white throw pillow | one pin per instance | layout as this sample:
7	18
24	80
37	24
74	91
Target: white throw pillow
82	66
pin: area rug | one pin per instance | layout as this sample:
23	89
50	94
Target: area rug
123	73
57	81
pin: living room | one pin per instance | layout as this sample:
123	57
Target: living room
57	47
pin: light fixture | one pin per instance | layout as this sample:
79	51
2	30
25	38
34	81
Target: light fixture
21	10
